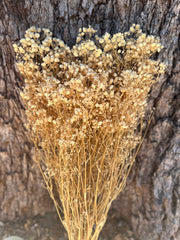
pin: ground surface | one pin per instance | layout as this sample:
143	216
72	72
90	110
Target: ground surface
49	227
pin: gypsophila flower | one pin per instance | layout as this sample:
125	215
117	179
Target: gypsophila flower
84	106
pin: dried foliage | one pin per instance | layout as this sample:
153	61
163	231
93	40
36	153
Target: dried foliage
83	107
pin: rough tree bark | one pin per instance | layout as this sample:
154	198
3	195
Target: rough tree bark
150	203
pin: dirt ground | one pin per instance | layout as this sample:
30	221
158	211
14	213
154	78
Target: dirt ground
49	227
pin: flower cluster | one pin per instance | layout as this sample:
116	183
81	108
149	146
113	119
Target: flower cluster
84	104
98	84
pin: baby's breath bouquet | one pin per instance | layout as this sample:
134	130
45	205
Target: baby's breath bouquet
83	107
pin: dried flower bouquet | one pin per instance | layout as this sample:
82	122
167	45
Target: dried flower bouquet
83	107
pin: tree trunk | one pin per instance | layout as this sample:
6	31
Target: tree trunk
150	204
